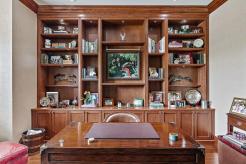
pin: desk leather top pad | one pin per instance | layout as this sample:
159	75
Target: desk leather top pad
122	131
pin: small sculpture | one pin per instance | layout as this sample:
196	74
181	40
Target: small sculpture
122	36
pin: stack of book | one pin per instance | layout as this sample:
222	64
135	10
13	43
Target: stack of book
154	46
89	47
233	139
89	73
156	105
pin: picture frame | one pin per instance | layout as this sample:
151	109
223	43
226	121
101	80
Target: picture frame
238	106
108	102
54	98
174	95
156	96
123	65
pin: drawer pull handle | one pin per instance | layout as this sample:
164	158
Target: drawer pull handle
172	122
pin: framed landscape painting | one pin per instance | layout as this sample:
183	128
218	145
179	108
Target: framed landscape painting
123	66
238	106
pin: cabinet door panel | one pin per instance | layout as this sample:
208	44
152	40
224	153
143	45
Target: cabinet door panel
171	117
59	121
203	125
153	116
187	122
76	116
92	116
43	120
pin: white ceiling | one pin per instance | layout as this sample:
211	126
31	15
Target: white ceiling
124	2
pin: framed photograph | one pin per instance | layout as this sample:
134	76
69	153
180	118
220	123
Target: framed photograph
238	106
54	98
156	96
174	95
123	65
108	102
153	73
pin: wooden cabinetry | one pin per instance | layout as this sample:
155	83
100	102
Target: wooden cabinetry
196	123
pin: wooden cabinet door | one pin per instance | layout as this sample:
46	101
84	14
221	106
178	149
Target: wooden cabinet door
59	121
153	116
42	119
92	116
187	122
76	116
203	128
171	117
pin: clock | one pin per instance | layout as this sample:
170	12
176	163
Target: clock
198	43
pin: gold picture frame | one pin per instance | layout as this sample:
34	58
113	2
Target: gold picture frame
238	106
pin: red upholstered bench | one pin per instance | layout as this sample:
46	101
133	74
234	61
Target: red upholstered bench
13	153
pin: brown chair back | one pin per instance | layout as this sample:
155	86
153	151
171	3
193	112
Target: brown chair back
122	117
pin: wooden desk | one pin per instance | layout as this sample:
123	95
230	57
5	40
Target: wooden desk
77	150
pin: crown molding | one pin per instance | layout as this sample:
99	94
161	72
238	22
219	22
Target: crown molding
41	9
31	4
215	4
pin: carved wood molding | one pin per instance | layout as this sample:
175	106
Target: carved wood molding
98	10
32	5
215	4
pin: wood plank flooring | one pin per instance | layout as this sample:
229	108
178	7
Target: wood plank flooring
210	158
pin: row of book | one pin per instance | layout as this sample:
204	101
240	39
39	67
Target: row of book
155	47
89	47
89	73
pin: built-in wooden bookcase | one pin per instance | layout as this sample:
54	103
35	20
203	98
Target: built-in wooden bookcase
47	70
96	37
197	68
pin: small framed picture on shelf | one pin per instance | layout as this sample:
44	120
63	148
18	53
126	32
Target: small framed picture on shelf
238	106
90	99
156	96
174	95
108	102
54	98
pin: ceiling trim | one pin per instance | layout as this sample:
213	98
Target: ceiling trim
215	4
41	9
31	4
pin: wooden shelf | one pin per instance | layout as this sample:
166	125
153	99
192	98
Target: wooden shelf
122	43
89	80
186	86
186	49
185	36
156	54
60	36
59	49
59	65
186	65
124	84
156	80
89	54
62	86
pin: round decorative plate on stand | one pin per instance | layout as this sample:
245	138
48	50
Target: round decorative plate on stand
44	101
193	96
198	43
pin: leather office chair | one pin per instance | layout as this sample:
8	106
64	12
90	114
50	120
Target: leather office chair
122	117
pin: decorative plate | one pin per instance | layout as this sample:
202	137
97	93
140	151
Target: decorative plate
44	101
198	43
193	96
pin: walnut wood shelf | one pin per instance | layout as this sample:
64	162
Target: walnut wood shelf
186	65
60	36
62	86
89	54
185	49
59	49
185	86
89	80
122	43
156	80
124	84
59	65
156	54
185	36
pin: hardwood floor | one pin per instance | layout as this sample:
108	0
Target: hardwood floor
211	154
